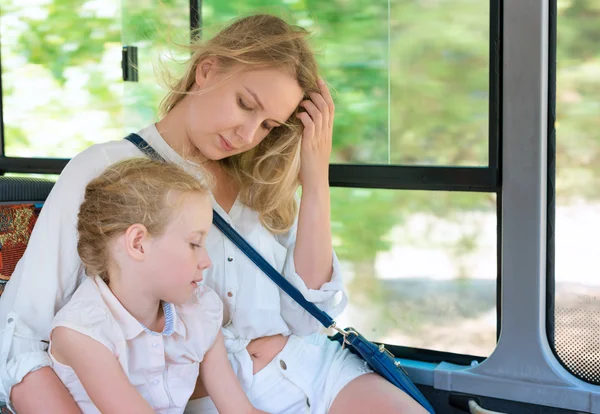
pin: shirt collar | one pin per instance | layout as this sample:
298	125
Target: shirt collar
130	326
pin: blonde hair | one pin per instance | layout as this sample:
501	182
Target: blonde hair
269	173
128	192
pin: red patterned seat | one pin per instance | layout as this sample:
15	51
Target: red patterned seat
21	200
16	225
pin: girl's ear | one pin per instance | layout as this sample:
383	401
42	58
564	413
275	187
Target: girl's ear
205	69
135	237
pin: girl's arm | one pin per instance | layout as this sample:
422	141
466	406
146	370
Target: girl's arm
99	372
221	383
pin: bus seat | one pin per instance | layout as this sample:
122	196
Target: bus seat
21	201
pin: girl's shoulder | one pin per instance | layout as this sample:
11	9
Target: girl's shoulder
87	313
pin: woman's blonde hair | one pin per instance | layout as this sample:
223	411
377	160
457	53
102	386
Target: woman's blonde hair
269	173
133	191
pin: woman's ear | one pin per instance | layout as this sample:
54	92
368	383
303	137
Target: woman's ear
205	69
136	236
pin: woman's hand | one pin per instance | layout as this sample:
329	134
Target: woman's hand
316	138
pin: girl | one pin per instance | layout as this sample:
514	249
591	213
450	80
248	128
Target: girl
131	338
251	108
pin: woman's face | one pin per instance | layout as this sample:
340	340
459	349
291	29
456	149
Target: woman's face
233	114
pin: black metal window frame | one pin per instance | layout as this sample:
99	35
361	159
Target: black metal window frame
482	179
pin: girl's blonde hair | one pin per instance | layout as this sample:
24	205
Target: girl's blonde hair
132	191
268	174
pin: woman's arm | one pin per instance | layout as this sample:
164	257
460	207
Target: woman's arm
312	254
99	372
51	396
221	383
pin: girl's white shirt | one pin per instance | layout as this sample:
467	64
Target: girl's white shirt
163	368
50	272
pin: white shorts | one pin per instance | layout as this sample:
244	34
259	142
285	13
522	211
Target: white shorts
305	377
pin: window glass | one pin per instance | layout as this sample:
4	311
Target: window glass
61	70
577	211
410	79
420	267
156	28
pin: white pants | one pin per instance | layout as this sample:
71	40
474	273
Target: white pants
305	377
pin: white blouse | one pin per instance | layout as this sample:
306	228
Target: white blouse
163	368
50	271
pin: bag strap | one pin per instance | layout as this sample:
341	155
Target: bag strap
326	320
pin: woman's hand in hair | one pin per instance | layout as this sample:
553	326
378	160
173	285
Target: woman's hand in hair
316	138
312	254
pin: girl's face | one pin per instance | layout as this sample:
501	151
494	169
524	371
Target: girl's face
233	114
176	260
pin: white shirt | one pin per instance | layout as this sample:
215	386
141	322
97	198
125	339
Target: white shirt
163	368
50	271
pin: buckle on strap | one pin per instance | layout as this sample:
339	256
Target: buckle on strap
344	333
341	332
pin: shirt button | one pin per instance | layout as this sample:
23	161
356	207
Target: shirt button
155	345
154	382
230	294
230	259
282	364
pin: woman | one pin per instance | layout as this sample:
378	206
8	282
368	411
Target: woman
251	109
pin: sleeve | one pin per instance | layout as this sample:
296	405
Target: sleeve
89	319
203	319
330	298
47	274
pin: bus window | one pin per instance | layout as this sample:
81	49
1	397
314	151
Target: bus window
576	322
402	96
60	76
420	267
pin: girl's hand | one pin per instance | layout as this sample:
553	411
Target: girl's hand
316	138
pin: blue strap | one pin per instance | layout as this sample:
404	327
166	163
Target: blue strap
270	271
247	249
141	143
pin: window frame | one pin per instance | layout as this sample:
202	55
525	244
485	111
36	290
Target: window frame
437	177
447	178
523	367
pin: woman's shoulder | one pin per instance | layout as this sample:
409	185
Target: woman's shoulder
99	156
89	164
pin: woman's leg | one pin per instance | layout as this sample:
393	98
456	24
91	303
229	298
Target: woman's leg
371	393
